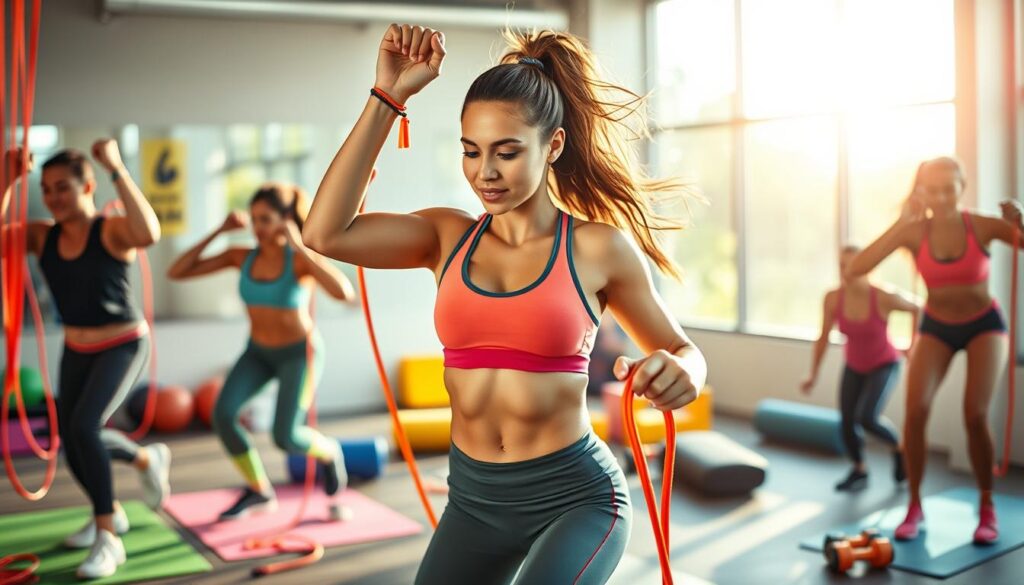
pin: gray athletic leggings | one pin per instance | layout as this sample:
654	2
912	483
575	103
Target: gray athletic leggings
861	399
92	386
561	518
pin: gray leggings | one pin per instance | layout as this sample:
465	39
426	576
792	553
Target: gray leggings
861	399
561	518
92	386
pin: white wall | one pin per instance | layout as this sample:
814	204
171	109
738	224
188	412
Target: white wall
163	71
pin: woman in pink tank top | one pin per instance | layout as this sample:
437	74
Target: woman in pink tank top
872	365
521	288
950	248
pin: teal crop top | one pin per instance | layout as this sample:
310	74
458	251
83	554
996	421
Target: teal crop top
284	292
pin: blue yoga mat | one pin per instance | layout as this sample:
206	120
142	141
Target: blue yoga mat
944	547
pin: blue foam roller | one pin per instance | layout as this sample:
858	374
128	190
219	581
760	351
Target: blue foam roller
365	458
800	424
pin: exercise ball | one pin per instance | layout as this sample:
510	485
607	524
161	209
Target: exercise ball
31	388
175	408
206	398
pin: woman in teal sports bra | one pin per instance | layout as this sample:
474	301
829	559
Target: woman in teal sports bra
277	278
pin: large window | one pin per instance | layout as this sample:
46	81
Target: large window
802	122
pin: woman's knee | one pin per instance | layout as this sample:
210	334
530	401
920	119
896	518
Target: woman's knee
79	431
225	416
286	439
976	420
917	416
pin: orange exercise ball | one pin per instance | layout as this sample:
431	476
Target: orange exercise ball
175	408
206	398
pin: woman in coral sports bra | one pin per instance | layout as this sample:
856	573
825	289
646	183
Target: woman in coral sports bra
950	246
520	292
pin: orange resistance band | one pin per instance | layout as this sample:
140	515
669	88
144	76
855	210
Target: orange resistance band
400	109
1011	374
281	539
148	311
14	282
389	397
659	520
13	247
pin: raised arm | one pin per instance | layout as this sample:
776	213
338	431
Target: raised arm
901	234
139	227
192	264
828	321
312	264
21	166
409	58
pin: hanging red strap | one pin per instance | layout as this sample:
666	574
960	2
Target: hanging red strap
13	247
1011	374
659	520
14	283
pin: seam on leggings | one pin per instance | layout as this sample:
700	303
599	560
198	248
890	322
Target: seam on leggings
131	376
615	517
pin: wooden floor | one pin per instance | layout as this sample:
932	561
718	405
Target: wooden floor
732	541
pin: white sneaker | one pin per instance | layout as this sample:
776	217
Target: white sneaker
155	479
106	555
339	513
86	536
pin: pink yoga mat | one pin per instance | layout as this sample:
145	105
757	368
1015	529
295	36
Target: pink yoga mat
19	446
371	521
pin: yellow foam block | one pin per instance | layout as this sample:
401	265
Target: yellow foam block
421	382
599	421
428	429
697	416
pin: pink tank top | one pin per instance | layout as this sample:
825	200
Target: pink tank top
971	267
867	342
546	326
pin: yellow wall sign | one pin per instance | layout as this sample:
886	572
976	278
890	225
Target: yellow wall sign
163	182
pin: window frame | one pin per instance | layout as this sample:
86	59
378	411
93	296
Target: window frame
738	123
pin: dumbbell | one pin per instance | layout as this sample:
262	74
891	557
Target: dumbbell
869	546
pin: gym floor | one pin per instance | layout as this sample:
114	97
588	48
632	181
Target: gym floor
723	541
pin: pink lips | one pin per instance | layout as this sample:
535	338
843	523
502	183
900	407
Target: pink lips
492	194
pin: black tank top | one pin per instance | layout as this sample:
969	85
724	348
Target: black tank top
93	289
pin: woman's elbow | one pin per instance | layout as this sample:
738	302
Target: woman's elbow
313	240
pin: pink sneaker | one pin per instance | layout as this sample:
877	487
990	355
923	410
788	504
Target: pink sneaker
988	527
908	529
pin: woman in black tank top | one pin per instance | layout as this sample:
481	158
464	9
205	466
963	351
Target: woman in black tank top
86	259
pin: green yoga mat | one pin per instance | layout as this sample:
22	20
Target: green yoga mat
154	549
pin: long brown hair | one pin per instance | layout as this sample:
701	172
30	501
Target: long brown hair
290	201
555	78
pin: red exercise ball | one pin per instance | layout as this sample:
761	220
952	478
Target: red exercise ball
206	398
175	408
